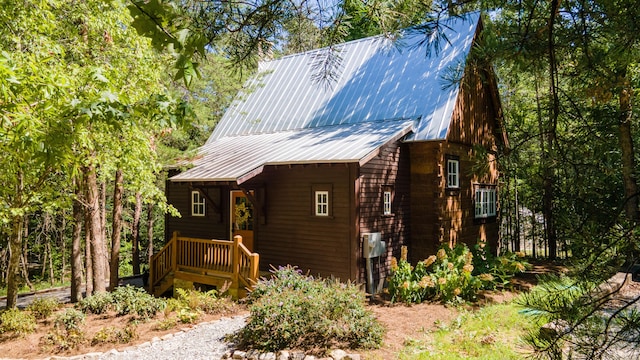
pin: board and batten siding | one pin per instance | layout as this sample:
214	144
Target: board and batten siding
388	170
211	226
292	234
440	215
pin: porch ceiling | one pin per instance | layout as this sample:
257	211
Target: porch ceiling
240	158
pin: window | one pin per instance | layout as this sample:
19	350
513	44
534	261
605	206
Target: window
453	173
322	203
197	204
485	202
386	202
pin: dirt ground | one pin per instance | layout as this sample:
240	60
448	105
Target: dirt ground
403	323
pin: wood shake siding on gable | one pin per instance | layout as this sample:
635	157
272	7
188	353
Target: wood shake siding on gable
440	215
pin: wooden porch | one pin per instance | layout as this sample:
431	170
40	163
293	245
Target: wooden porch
218	263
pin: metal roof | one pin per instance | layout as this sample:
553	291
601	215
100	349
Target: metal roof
384	90
379	79
238	158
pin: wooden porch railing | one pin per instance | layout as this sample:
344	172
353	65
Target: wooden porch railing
212	258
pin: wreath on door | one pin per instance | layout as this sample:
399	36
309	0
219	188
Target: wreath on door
242	215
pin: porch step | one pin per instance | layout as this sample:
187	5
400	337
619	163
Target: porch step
165	284
215	280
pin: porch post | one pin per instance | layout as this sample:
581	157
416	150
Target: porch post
237	240
174	251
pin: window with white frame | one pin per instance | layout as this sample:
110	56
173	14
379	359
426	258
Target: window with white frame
453	173
322	203
485	202
197	204
386	202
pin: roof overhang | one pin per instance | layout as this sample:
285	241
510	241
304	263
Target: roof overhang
241	158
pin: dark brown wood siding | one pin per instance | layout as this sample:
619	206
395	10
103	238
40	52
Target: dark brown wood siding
292	233
425	193
213	225
389	170
440	215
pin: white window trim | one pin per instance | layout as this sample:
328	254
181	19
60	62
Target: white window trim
198	206
485	202
321	202
386	203
453	174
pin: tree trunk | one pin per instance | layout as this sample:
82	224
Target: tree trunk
628	162
15	248
103	228
76	247
63	245
15	253
97	241
88	260
52	275
135	232
117	229
150	221
549	176
24	254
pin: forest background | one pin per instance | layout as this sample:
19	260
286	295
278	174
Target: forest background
98	98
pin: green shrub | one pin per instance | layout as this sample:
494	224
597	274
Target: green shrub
17	322
42	308
291	310
70	320
452	275
132	300
497	271
98	303
187	316
67	331
173	304
114	335
166	324
207	302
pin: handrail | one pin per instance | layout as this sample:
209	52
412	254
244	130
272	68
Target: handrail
211	257
163	262
247	265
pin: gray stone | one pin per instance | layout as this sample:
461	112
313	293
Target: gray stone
253	354
555	328
337	354
283	355
267	356
239	354
167	336
352	357
93	355
297	355
309	357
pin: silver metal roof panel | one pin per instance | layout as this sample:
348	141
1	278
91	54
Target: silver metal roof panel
379	80
234	158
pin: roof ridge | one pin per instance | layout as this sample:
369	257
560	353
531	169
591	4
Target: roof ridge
368	38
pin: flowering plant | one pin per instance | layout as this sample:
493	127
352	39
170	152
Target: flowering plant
453	275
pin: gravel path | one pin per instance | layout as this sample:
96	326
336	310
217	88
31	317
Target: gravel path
204	341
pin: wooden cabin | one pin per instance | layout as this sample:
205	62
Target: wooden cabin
307	172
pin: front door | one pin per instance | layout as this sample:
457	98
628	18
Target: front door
242	218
